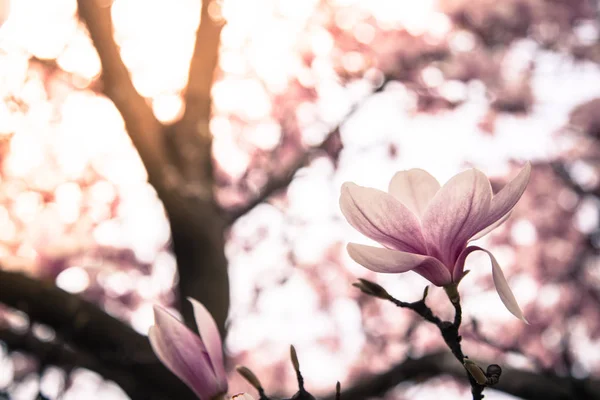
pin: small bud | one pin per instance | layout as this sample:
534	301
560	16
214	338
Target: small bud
296	364
493	373
452	293
294	357
475	371
338	391
373	289
250	377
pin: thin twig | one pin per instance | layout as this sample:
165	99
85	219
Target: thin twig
280	180
449	330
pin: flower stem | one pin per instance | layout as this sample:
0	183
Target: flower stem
449	330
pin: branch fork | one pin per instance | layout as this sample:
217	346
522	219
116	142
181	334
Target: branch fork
478	379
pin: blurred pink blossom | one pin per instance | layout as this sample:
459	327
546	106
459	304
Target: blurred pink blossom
425	227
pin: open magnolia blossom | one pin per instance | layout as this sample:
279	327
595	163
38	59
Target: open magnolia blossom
425	227
197	361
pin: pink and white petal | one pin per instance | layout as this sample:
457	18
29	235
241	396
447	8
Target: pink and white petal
506	199
490	228
182	351
459	266
389	261
455	214
502	287
381	217
414	188
435	272
209	334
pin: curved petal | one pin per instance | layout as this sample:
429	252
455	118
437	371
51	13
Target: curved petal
393	261
414	188
506	295
505	200
180	350
491	227
455	214
381	217
459	266
209	333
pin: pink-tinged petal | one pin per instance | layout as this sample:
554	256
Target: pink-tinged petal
505	200
459	266
381	217
455	214
490	228
414	188
389	261
506	295
209	333
183	353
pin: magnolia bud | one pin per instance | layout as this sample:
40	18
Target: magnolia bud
250	377
475	371
294	358
373	289
493	373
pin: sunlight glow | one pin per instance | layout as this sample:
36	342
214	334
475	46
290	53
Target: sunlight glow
79	57
73	280
157	44
57	30
167	108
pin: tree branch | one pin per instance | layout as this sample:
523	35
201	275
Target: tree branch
281	180
109	347
278	181
184	150
449	331
56	353
275	183
562	172
521	383
191	135
87	328
202	67
145	131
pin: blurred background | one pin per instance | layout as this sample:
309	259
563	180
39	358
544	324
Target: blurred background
174	159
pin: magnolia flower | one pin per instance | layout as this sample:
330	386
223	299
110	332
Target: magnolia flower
197	361
426	228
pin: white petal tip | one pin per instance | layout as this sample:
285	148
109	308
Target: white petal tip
347	185
191	300
158	311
